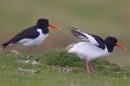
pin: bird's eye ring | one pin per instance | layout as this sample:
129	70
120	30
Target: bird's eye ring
114	40
45	21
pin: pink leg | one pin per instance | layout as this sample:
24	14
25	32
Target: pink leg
87	67
30	51
92	67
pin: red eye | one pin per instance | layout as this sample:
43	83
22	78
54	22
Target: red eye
113	40
45	21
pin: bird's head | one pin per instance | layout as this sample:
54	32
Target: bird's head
43	23
112	41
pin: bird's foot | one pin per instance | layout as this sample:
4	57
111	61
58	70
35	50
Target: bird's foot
30	51
88	71
93	70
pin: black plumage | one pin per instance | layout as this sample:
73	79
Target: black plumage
30	32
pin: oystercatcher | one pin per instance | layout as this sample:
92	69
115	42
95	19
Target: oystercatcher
32	36
95	47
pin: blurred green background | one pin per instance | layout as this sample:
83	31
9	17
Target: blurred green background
100	17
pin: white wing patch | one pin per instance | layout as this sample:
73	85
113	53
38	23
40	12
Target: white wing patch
92	39
84	36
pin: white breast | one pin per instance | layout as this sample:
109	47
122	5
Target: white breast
33	42
89	51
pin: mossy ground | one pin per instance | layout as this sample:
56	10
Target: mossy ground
56	70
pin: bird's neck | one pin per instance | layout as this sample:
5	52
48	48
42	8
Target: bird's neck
45	30
110	48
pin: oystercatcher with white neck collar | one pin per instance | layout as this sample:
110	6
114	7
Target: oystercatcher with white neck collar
94	47
32	36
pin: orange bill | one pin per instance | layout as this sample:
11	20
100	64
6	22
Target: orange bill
119	45
53	26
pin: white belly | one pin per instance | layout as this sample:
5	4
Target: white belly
33	42
87	50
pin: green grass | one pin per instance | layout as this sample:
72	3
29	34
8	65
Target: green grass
103	18
51	71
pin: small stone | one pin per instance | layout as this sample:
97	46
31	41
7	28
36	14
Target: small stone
27	70
35	62
15	51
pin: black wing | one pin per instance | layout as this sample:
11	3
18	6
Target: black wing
99	40
30	32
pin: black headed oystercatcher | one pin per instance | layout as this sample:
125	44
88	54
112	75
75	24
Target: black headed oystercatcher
95	47
32	36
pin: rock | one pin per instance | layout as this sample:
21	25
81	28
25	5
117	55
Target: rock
27	70
15	52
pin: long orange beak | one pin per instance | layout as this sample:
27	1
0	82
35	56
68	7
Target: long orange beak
55	27
119	45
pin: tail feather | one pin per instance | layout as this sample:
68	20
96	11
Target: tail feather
67	48
4	45
64	53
